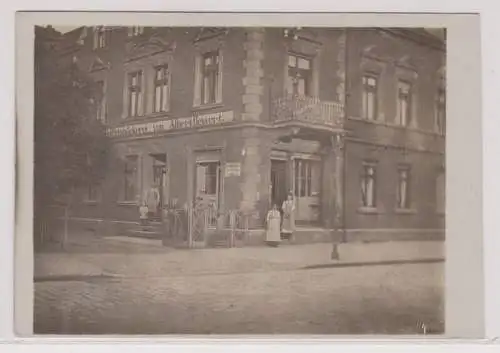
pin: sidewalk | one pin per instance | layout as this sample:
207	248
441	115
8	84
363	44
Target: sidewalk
165	262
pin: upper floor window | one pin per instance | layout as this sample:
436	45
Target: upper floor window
404	103
403	201
368	185
210	72
101	105
92	192
135	94
208	78
161	88
441	111
369	104
135	31
299	79
100	37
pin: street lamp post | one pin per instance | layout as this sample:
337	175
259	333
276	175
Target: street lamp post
338	142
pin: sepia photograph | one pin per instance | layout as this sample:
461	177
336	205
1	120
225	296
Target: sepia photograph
239	180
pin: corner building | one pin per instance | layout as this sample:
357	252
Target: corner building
352	121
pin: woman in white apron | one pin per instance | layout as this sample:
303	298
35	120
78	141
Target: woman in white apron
288	208
273	221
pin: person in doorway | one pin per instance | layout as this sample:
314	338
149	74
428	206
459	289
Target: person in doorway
152	199
273	221
288	225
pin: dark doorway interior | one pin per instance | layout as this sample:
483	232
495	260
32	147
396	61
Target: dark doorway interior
159	179
278	182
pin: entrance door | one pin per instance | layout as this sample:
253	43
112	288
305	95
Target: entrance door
160	178
208	181
278	182
306	187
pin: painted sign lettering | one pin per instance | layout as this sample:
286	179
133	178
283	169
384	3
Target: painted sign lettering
233	169
158	127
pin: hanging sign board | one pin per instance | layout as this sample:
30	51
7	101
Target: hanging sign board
233	169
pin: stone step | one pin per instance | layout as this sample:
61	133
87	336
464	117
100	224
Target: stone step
220	244
144	233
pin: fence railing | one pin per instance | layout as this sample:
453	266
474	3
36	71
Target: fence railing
190	226
308	109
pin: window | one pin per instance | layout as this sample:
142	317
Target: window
303	176
441	111
299	75
403	195
161	86
135	97
210	72
130	179
99	37
370	97
208	178
135	31
404	103
92	193
101	106
368	185
208	78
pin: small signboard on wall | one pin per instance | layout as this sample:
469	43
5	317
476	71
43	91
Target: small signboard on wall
233	169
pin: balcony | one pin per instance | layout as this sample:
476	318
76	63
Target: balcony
308	110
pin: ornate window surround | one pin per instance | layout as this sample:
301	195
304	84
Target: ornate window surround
305	43
407	72
208	40
145	55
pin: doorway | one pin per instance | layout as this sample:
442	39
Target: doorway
160	179
208	188
278	182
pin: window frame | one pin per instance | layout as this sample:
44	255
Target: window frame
92	193
101	112
441	111
303	177
367	90
100	37
365	178
296	70
405	168
139	90
210	71
135	31
164	84
409	102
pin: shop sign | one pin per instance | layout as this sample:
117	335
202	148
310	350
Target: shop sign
161	126
233	169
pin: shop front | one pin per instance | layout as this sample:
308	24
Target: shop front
301	167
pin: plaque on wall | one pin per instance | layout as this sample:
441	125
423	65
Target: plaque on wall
233	169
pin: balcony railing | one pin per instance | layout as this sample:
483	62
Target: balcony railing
309	110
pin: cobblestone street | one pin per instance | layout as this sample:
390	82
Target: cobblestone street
244	291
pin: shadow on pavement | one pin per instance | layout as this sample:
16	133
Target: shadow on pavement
73	278
374	263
